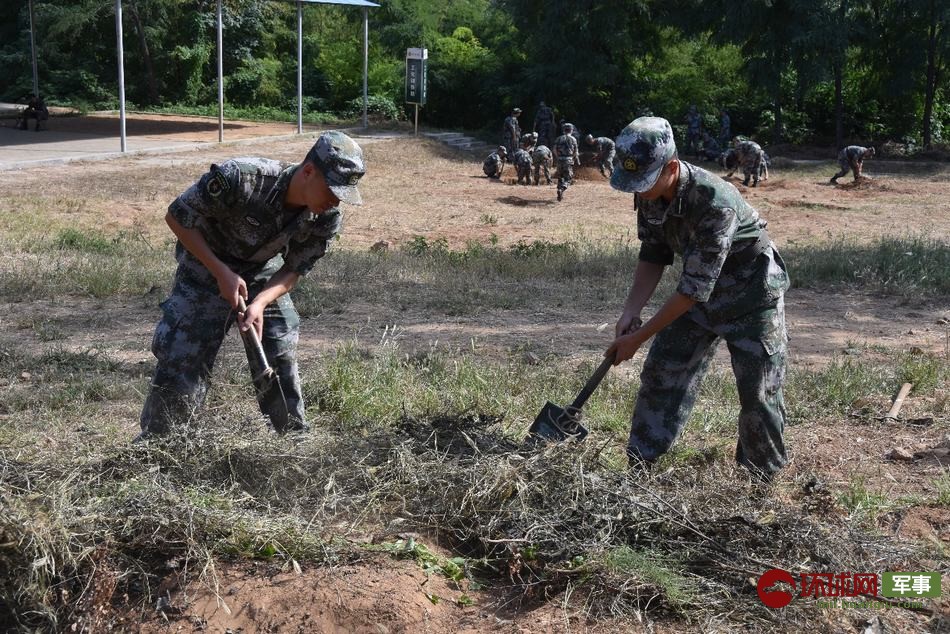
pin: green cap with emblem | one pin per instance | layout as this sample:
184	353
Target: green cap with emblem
643	148
341	161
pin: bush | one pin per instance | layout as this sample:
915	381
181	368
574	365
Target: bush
378	108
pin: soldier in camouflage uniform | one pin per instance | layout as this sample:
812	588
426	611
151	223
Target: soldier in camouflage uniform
544	124
694	128
567	156
852	158
248	230
494	164
529	140
542	158
750	157
605	153
512	131
725	128
711	148
522	161
731	287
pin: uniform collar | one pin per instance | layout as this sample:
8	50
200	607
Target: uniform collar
279	191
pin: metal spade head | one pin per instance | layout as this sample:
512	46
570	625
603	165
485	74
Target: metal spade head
556	424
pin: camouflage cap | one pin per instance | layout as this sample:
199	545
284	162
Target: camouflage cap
643	148
341	161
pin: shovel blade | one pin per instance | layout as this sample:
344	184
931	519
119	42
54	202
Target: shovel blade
555	424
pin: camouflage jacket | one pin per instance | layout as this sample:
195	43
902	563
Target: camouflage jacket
541	154
694	122
522	159
239	209
565	148
852	153
604	146
706	221
493	163
544	117
512	129
747	149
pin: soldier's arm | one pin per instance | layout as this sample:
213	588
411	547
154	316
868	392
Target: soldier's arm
282	282
627	345
230	284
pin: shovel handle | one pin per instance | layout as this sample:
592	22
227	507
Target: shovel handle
252	342
593	382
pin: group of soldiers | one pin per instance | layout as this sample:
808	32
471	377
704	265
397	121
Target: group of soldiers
533	151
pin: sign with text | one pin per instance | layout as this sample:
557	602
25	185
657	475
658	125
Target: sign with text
417	62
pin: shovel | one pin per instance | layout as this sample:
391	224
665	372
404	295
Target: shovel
555	424
270	395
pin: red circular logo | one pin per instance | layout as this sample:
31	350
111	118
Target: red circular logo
775	598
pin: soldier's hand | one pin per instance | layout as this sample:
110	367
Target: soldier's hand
627	324
624	348
253	317
232	286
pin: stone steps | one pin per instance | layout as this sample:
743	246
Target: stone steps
459	141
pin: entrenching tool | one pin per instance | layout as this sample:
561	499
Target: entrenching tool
555	424
266	381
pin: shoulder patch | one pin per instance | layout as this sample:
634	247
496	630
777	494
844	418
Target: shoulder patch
218	184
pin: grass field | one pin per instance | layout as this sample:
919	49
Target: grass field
414	505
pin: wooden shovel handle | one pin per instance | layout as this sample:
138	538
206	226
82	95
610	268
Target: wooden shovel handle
593	382
252	341
899	401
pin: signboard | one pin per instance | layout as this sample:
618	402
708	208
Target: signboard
417	63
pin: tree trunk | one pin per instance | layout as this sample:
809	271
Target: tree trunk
839	108
777	130
151	82
931	87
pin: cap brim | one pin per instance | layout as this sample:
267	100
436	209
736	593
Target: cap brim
622	180
347	193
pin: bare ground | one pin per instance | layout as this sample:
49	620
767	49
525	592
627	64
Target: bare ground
417	187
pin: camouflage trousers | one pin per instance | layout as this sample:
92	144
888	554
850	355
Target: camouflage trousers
546	134
545	165
195	320
605	163
565	174
511	143
523	169
675	366
847	166
752	168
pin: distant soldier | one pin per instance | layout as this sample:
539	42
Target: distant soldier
495	163
749	157
567	156
605	153
852	158
512	132
529	140
711	148
725	128
544	124
694	127
542	158
522	161
35	109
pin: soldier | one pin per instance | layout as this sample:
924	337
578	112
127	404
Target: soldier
248	229
694	127
725	128
542	158
732	287
522	161
604	159
544	124
529	140
567	156
711	148
35	109
749	156
512	132
852	158
494	165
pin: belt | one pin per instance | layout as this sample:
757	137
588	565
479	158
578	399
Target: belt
747	254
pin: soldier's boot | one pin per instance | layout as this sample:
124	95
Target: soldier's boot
745	181
560	194
834	180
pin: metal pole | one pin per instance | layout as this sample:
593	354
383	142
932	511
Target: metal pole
220	76
299	67
365	66
118	36
36	80
417	121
